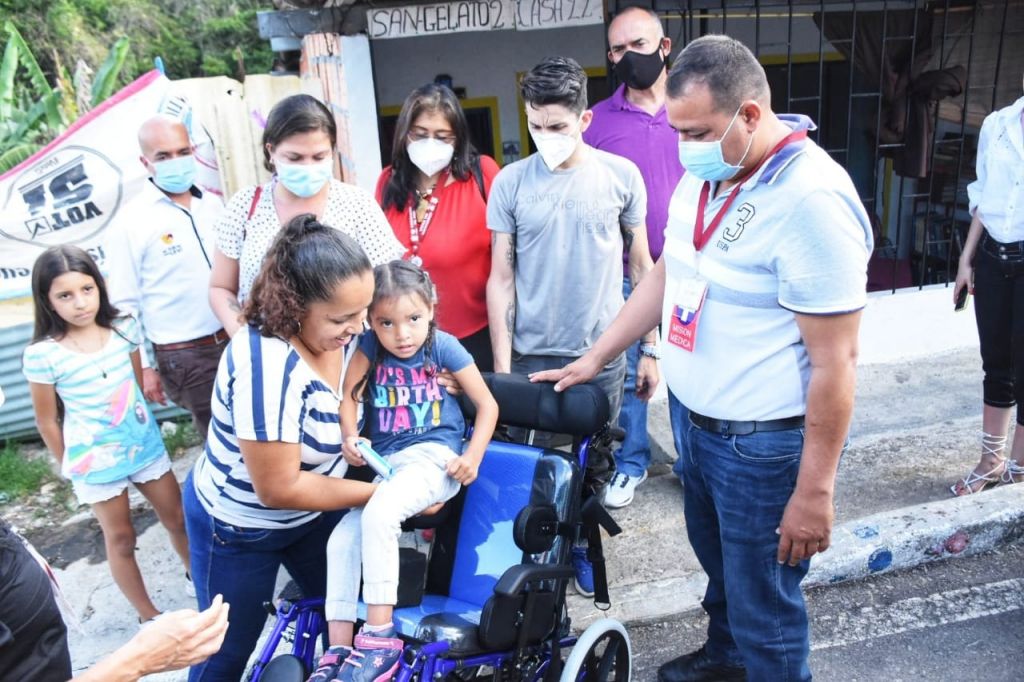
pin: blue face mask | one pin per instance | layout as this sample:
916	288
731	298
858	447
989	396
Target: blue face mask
175	176
705	159
304	179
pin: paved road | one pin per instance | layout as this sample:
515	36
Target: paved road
961	619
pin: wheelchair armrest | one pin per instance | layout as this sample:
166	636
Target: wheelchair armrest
516	578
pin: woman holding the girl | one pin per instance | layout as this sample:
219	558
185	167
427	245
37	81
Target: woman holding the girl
434	195
268	490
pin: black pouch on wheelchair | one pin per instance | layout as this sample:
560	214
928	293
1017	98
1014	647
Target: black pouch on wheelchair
600	464
412	576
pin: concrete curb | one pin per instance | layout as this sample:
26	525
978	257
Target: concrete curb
880	543
908	537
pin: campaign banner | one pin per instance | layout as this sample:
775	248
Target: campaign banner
73	189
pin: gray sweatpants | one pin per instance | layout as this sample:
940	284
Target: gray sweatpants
365	541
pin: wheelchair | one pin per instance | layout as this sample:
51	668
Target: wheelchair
492	605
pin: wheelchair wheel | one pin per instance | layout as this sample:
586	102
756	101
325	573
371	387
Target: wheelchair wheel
602	654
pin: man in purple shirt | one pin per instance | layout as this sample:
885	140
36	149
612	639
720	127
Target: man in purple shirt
632	123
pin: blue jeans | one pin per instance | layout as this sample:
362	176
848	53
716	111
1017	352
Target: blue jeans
634	456
242	565
677	415
735	489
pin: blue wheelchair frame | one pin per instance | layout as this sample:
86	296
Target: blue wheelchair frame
427	659
509	578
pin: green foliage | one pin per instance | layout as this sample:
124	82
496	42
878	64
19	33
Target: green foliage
231	46
18	57
193	37
105	82
32	111
19	475
179	437
38	99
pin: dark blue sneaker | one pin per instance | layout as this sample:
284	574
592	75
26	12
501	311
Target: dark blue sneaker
374	659
330	664
584	572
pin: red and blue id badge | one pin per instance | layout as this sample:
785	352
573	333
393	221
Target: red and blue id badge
686	309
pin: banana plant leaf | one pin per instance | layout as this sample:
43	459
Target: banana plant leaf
25	58
105	82
15	155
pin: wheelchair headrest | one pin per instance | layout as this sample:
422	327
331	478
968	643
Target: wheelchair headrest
580	410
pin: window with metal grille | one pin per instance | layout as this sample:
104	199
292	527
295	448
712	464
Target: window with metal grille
898	88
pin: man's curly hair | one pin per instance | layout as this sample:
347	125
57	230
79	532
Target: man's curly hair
304	264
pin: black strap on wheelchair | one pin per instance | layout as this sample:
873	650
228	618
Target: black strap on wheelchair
594	518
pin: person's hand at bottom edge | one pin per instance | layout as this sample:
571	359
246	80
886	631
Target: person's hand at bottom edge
179	639
175	640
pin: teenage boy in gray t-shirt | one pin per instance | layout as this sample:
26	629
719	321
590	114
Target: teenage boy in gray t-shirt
560	219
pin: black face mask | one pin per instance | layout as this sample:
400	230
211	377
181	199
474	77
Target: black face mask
639	71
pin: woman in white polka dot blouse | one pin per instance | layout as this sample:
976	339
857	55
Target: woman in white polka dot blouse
298	147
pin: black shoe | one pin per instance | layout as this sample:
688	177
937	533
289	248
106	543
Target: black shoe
697	667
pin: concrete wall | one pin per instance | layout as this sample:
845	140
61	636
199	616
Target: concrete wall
913	324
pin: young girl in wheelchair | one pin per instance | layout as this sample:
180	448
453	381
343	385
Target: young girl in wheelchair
413	422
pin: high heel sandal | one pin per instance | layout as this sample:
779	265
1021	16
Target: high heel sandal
991	445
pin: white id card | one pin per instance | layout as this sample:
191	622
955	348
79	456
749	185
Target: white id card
686	309
691	292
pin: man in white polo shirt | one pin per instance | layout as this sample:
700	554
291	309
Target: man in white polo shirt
758	291
158	260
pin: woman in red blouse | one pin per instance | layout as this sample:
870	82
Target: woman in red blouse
434	195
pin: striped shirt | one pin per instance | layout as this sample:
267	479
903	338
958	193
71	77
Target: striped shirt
109	432
265	392
795	240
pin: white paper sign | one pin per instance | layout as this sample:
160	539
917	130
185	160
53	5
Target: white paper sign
444	17
536	14
481	15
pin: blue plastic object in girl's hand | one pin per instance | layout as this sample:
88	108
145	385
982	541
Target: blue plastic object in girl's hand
374	460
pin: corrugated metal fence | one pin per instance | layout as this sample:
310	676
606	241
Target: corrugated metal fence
16	417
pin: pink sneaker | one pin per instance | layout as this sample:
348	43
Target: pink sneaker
374	659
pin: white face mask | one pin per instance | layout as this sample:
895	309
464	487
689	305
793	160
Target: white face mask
430	155
555	148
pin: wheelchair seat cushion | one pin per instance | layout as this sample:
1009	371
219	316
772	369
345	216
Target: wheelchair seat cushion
441	619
